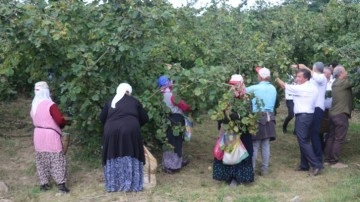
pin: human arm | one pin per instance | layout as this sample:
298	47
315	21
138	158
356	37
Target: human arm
181	104
302	66
104	113
281	83
57	116
143	116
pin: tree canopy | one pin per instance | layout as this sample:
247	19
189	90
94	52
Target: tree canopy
85	50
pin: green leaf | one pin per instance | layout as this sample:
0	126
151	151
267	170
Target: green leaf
197	91
95	97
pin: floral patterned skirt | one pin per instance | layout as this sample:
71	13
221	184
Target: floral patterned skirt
123	174
241	172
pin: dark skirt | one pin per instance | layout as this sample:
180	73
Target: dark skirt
123	155
241	172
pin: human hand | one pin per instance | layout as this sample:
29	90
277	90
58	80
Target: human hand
302	66
276	74
69	122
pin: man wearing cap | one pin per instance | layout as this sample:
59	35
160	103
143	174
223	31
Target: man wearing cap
265	93
304	96
319	80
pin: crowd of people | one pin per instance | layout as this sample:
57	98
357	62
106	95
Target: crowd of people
319	94
320	99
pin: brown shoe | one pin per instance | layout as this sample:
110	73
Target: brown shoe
339	165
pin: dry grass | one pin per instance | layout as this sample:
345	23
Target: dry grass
194	183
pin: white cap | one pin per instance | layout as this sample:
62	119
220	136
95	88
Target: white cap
264	73
235	78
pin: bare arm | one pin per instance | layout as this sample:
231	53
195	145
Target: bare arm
280	82
302	66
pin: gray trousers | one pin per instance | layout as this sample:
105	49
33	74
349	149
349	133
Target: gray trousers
264	144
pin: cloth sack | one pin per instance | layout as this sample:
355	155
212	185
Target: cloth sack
65	140
189	128
150	168
227	139
236	155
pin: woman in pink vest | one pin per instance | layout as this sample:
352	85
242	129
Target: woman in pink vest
48	121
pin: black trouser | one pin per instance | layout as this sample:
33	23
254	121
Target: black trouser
303	123
290	108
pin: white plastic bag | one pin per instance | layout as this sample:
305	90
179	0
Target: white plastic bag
237	154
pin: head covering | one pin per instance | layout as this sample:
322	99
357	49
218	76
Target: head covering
238	87
163	81
120	92
42	93
263	72
236	78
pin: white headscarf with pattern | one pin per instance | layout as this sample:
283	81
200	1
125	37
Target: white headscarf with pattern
42	93
120	92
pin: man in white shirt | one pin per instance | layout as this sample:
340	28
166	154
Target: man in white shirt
319	80
304	97
330	80
325	124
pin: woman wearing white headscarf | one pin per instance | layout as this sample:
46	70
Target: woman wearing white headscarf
48	121
123	151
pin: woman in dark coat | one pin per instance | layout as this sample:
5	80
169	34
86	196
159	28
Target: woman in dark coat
123	150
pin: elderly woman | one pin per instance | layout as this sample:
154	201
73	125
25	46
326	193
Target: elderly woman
173	160
123	150
243	171
48	122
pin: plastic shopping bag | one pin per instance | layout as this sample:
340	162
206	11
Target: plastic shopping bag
236	155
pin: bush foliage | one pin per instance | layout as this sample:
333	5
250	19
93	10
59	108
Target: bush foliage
85	50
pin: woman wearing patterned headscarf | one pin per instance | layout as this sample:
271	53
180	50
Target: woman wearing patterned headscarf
172	159
123	150
48	121
242	172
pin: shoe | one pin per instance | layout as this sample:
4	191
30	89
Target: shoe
63	188
284	129
233	183
264	173
185	163
300	169
339	165
168	171
315	172
44	187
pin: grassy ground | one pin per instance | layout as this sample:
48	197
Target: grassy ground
193	183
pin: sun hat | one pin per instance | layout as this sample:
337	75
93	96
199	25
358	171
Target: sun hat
236	78
263	72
